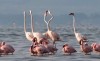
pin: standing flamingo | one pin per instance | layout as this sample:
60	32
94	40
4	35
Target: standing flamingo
78	36
50	34
39	36
28	35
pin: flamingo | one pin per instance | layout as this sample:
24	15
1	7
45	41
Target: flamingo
78	36
86	48
6	48
0	49
39	36
96	47
68	49
50	47
38	49
28	35
50	34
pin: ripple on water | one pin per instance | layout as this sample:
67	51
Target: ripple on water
17	39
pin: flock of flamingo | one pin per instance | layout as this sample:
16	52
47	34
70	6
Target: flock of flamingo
44	43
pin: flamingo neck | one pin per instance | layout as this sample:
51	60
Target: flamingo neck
74	24
24	22
48	27
32	28
48	22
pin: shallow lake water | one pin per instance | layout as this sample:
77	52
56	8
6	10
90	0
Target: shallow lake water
16	38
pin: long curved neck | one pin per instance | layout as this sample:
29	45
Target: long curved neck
48	26
74	24
24	22
31	22
49	23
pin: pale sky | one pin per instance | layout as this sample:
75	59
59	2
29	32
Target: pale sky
12	10
56	6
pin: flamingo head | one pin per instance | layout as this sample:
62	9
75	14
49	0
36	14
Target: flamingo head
71	14
3	43
47	12
34	39
30	11
65	45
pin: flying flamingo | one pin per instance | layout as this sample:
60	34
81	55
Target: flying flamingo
78	36
28	35
39	36
50	34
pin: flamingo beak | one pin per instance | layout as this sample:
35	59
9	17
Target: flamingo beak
46	13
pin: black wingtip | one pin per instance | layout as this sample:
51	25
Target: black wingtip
71	14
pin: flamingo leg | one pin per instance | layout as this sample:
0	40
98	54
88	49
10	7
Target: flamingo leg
54	44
